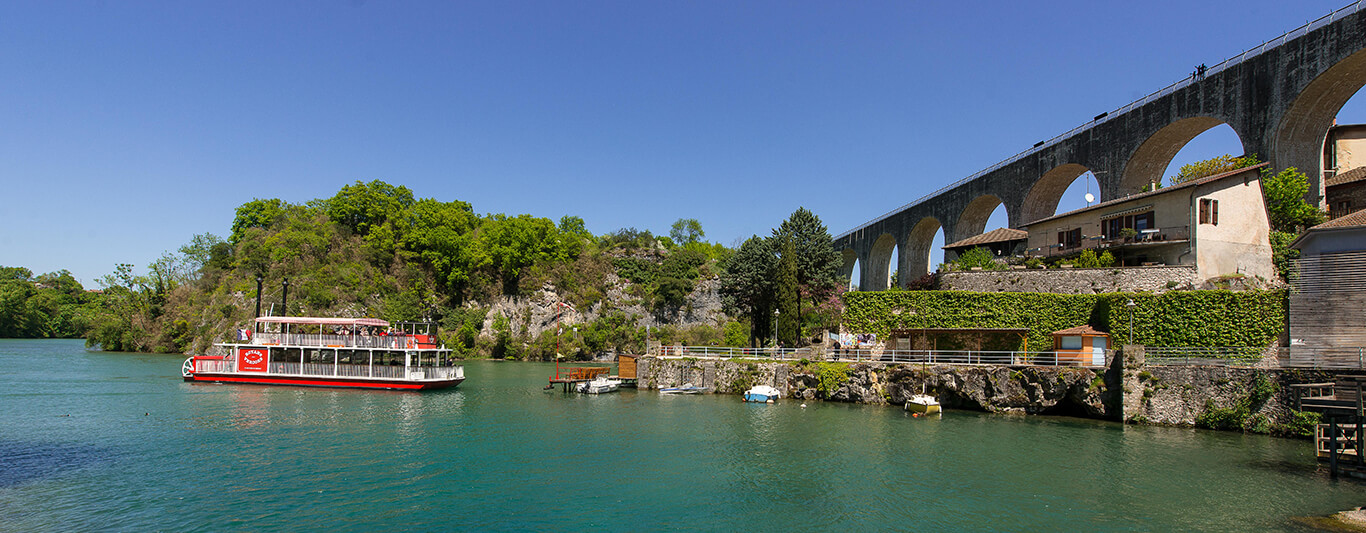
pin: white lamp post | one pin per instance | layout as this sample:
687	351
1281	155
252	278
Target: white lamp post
1131	305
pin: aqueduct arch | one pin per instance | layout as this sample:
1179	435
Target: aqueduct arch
1043	198
1150	160
1298	140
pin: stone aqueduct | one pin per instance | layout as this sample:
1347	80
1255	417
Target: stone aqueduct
1280	98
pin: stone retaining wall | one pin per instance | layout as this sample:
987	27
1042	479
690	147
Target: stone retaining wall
1073	280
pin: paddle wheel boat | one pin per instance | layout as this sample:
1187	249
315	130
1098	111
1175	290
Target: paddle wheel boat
362	353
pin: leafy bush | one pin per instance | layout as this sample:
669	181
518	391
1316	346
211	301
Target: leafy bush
978	257
1241	415
831	377
735	334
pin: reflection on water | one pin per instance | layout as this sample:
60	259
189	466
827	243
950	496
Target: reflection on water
142	450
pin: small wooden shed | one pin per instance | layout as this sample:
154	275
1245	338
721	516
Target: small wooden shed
1082	345
626	366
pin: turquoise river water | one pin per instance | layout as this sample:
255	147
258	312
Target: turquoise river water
116	441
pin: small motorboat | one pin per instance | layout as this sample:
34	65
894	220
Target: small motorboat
598	385
686	388
762	393
923	404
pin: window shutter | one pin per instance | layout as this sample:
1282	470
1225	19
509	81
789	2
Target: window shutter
1214	212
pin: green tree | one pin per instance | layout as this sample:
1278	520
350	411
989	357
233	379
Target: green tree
789	300
817	262
1212	166
258	213
747	285
514	243
1285	204
441	234
15	274
1289	214
734	334
686	231
362	206
573	225
202	250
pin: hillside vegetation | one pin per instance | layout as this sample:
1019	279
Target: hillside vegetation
375	250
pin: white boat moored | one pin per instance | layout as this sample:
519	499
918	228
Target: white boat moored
762	393
598	385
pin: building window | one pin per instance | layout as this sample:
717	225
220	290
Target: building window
1209	211
1343	208
1070	239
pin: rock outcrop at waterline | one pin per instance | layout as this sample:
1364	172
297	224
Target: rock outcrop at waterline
1259	400
996	389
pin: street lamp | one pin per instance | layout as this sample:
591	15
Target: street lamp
1131	305
776	312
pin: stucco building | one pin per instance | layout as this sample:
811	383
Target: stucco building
1218	224
1344	175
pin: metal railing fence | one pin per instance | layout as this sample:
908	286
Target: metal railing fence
1327	358
1224	356
945	357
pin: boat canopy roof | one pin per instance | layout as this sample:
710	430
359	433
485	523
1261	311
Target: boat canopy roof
329	321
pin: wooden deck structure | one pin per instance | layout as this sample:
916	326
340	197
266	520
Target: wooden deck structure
567	377
1338	440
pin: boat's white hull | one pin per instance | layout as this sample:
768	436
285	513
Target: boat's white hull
923	404
762	394
685	389
598	386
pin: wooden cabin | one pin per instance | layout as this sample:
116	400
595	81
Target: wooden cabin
1082	345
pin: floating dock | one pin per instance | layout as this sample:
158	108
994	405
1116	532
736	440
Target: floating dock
568	377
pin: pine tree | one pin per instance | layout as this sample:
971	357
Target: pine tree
817	262
747	285
789	301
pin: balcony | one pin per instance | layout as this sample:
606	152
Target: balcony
1144	238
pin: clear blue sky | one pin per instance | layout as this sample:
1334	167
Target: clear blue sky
128	127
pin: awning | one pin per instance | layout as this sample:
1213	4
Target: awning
327	321
1140	209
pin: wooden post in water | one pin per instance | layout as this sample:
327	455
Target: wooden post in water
1332	447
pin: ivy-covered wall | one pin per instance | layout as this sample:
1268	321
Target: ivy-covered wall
1180	318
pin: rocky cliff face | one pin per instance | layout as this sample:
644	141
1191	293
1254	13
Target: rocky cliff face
534	314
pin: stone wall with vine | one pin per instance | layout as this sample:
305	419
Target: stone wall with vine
1177	318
